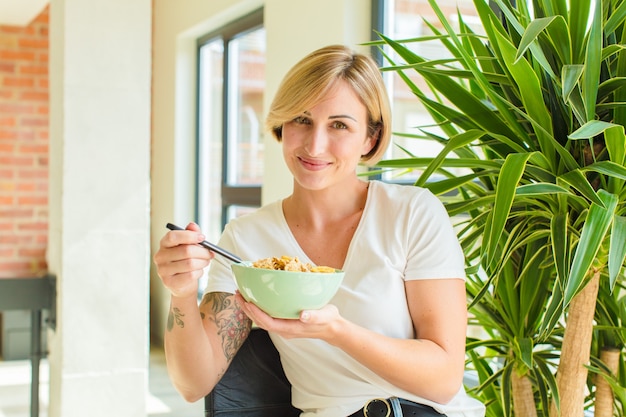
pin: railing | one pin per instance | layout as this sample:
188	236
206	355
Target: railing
34	294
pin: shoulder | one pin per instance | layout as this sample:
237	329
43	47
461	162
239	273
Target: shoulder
398	194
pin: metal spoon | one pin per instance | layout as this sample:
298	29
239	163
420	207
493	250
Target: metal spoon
210	246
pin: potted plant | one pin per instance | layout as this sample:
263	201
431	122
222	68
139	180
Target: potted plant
535	111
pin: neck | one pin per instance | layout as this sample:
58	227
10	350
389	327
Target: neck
318	208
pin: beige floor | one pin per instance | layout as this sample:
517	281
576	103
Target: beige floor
162	399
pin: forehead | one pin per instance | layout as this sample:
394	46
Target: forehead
340	97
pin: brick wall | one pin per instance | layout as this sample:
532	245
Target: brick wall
24	148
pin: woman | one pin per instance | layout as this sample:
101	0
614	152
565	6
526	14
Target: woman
395	330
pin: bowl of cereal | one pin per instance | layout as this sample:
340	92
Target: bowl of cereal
283	287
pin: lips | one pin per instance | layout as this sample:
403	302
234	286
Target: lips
313	164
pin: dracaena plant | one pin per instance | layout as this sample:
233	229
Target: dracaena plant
534	110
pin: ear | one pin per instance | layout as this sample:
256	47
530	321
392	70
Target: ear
370	142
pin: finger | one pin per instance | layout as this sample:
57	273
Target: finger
190	236
193	227
179	266
167	255
323	315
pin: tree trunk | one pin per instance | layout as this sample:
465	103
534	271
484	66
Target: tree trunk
571	376
604	394
523	399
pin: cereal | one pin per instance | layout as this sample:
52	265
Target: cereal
288	263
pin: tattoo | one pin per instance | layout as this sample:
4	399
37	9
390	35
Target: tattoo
175	315
233	326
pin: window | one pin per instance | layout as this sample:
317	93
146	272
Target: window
231	81
404	19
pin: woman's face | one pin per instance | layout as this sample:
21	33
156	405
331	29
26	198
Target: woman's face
323	146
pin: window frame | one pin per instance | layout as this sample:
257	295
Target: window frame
248	196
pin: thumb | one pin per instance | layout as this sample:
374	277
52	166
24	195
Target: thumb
193	227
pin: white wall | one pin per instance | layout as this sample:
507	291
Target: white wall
293	29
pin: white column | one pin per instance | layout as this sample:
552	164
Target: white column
100	69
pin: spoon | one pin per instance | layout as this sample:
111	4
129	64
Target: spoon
210	246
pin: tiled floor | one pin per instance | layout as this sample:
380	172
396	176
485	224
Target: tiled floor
162	400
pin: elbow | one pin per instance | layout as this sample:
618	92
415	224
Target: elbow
446	394
448	390
191	394
444	390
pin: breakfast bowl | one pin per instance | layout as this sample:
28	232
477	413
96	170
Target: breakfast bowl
284	294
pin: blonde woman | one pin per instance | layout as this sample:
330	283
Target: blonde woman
392	340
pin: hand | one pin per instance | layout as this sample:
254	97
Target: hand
180	261
317	324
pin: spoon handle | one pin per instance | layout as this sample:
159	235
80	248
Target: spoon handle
210	246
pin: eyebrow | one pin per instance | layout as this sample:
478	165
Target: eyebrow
338	116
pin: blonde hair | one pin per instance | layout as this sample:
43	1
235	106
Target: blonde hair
308	81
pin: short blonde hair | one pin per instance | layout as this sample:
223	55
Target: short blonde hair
308	81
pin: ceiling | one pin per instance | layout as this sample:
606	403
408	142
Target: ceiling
20	12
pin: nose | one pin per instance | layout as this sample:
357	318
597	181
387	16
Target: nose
316	141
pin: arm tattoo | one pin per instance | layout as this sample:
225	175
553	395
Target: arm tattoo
233	326
175	315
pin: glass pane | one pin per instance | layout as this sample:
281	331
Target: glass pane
246	84
236	211
210	87
407	21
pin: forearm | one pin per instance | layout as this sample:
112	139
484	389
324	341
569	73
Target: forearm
201	342
191	364
418	366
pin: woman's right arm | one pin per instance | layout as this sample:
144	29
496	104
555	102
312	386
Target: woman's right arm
200	341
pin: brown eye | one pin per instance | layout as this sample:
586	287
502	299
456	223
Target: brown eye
301	120
339	125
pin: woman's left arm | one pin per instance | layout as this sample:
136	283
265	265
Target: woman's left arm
430	366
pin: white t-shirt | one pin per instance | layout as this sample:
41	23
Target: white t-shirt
404	234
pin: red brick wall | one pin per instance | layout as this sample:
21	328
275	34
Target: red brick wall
24	148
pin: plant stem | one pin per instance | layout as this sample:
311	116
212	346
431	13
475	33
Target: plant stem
575	352
523	400
603	405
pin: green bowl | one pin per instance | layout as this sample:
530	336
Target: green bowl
284	294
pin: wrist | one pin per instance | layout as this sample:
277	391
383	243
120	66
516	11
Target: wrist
184	299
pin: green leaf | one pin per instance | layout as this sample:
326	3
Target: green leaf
571	75
525	347
616	386
593	61
529	86
615	140
444	186
457	141
510	175
608	168
545	374
535	50
590	129
617	250
531	33
615	19
540	189
560	245
578	22
597	223
558	34
553	310
578	180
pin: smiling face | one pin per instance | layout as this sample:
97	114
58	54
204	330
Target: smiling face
323	146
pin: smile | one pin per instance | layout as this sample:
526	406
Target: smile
313	164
